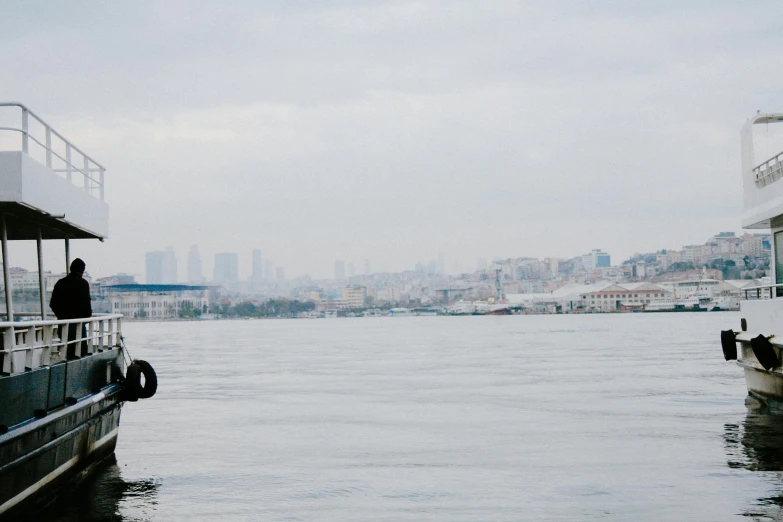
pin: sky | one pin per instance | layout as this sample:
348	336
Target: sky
397	130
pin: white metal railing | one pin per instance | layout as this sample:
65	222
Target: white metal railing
770	170
762	292
27	345
61	155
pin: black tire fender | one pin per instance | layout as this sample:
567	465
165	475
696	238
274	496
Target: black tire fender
150	379
764	352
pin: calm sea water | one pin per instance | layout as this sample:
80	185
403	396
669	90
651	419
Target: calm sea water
595	417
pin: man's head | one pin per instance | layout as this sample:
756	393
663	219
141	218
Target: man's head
78	266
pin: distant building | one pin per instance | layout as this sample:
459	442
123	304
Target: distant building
280	274
195	271
339	269
367	268
353	296
226	268
162	267
269	269
441	266
257	274
117	279
595	259
156	301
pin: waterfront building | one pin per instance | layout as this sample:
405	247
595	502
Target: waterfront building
613	297
162	267
157	301
195	270
226	268
280	274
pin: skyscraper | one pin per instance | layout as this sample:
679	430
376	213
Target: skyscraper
226	268
367	268
162	267
154	268
269	269
339	269
441	263
257	274
280	274
195	272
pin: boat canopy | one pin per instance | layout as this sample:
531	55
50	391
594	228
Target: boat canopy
762	192
47	183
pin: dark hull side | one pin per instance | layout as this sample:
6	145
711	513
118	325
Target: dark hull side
56	448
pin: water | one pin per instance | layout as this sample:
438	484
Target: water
594	417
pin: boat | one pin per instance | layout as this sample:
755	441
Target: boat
425	311
399	312
62	382
461	308
684	304
756	346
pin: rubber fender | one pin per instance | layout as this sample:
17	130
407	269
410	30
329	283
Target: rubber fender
150	379
764	352
130	388
729	344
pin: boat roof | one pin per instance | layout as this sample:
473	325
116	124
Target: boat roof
48	182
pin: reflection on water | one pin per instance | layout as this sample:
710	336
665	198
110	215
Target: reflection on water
757	445
105	497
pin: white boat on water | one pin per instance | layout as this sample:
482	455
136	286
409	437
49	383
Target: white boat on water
461	308
681	304
760	338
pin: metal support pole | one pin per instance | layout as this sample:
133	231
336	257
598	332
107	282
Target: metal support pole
9	305
103	172
41	278
67	256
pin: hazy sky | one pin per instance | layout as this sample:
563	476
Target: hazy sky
392	131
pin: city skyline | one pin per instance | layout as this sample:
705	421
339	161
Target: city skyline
243	264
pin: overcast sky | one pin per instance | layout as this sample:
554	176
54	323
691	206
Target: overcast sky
392	131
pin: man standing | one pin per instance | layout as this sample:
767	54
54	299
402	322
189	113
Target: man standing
71	300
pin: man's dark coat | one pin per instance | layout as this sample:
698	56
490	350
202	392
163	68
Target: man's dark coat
71	298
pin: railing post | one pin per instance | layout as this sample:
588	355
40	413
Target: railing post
48	147
78	339
103	171
68	164
25	138
101	333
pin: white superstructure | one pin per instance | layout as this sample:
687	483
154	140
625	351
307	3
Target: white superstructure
761	338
